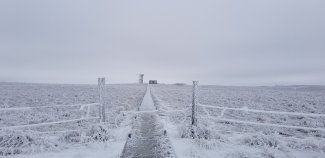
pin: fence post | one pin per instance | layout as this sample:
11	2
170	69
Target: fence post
194	107
101	86
103	104
100	95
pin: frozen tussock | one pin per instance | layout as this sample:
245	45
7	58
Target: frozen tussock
205	137
201	132
97	133
310	144
261	140
23	142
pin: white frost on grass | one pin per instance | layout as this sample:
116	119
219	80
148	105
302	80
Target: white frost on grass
97	150
225	139
35	136
217	139
109	149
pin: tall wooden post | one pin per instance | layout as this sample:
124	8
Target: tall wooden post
194	108
100	96
101	88
194	103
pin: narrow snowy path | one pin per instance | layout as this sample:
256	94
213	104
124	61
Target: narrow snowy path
147	102
147	137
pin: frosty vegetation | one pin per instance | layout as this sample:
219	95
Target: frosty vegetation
233	122
52	103
218	138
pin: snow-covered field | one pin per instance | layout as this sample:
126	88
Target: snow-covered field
38	118
42	120
245	121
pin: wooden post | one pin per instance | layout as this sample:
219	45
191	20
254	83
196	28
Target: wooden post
194	108
102	102
88	111
101	87
194	103
100	96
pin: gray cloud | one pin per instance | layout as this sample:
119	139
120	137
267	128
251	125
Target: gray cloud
217	42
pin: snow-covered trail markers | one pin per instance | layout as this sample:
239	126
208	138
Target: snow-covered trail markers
147	138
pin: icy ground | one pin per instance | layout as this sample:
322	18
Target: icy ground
41	120
49	121
238	122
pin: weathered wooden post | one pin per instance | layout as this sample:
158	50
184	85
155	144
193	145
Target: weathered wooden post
102	102
101	87
194	107
100	95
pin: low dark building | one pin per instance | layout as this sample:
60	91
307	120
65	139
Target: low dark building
153	82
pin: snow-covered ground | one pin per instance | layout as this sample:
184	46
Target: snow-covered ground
286	121
41	120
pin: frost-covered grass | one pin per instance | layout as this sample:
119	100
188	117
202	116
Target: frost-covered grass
46	102
215	138
233	140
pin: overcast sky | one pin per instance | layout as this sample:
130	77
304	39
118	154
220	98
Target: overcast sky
223	42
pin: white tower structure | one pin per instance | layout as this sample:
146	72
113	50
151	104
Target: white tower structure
141	78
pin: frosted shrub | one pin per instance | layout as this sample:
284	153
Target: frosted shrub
23	142
312	145
99	133
201	132
71	137
204	137
184	131
206	133
261	141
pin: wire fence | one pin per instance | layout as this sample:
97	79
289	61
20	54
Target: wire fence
48	106
86	108
48	123
222	119
264	111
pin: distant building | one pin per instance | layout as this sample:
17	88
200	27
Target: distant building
180	84
153	82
